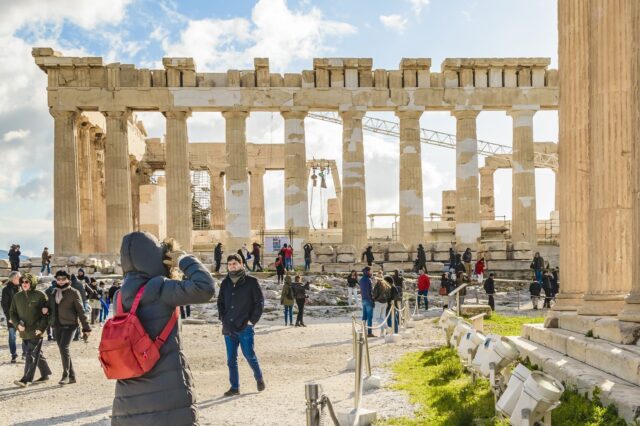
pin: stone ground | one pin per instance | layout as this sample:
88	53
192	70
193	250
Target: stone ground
289	356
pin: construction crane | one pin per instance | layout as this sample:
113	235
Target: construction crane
433	137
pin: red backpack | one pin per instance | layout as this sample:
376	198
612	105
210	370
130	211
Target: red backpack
126	351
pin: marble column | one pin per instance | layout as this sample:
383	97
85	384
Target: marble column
257	199
237	216
66	206
296	207
117	179
611	135
411	222
523	192
631	309
468	228
178	175
354	202
99	205
572	177
85	187
217	198
487	194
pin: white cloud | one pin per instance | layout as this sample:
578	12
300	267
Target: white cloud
16	135
394	22
418	5
222	44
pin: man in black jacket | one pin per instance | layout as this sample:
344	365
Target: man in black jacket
217	256
11	288
490	289
240	305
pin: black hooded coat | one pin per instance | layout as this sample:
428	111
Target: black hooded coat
163	396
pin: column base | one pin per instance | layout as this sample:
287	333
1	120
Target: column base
568	301
631	310
602	304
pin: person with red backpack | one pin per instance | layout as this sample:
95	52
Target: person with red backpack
160	392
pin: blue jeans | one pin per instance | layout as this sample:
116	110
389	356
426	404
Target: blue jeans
245	340
307	264
12	343
47	267
367	313
288	263
539	275
423	293
288	314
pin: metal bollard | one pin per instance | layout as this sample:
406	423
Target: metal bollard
393	317
357	396
312	394
367	359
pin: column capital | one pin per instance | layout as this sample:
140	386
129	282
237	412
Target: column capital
235	113
523	110
465	114
487	170
410	113
297	113
175	114
117	114
352	114
62	114
257	171
216	171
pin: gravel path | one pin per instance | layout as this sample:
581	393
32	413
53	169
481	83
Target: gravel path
289	356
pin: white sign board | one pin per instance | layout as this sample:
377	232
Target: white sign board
273	245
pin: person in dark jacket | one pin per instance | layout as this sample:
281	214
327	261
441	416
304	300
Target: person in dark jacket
398	281
395	300
164	395
421	260
490	289
452	258
352	288
79	283
366	289
280	267
46	262
65	309
28	311
256	257
534	291
547	287
300	295
467	256
217	256
459	265
11	288
537	264
445	283
115	286
308	248
14	257
240	306
368	255
94	294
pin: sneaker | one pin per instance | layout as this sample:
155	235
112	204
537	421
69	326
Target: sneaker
232	392
42	379
20	383
261	386
63	381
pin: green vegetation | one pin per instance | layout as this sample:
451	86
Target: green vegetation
508	325
577	410
445	395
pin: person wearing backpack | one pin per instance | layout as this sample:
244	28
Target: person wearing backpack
490	289
286	299
164	394
65	309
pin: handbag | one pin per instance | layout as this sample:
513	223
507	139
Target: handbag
442	291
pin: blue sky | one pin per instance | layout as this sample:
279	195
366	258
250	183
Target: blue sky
222	35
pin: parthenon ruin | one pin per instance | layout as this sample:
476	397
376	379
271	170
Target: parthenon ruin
350	86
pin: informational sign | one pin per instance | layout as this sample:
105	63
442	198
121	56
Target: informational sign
274	244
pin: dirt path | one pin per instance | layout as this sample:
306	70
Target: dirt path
289	357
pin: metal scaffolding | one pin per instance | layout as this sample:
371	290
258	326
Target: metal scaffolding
201	199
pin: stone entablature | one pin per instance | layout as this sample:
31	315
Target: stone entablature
333	84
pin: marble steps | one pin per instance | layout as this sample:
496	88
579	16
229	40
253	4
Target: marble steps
584	378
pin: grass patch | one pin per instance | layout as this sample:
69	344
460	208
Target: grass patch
508	325
445	394
577	410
